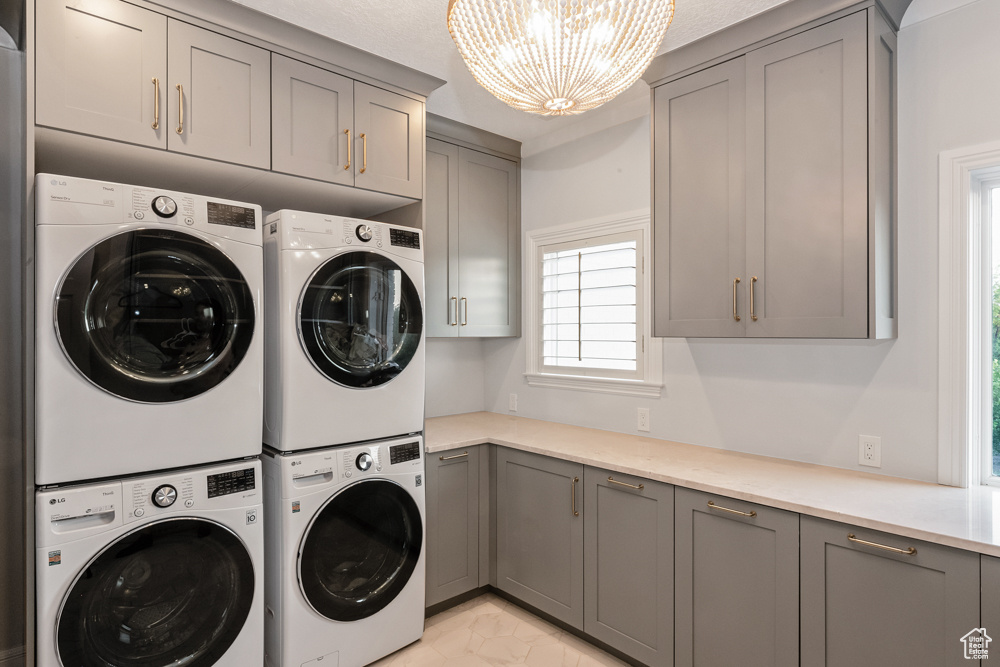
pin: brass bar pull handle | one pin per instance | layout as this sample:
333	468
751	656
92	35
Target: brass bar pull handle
911	551
156	103
736	281
348	165
631	486
454	323
712	506
180	109
465	312
456	456
364	153
572	495
753	314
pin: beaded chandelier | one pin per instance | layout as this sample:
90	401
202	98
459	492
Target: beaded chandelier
558	57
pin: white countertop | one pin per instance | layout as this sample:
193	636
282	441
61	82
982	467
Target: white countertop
962	518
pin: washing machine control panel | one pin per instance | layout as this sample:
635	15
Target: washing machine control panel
361	460
409	451
234	481
220	487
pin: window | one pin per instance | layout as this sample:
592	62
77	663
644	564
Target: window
588	308
990	211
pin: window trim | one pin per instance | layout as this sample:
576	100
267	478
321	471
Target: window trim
650	368
961	328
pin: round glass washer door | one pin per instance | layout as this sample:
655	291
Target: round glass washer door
360	319
154	315
360	550
174	592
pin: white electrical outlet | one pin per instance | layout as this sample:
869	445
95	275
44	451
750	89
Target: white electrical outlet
512	403
643	424
870	450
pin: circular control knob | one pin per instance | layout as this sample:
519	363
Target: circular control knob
364	232
364	461
164	496
165	207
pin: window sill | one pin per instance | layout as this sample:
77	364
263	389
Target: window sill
595	384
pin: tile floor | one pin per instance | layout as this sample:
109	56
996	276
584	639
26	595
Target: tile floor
488	630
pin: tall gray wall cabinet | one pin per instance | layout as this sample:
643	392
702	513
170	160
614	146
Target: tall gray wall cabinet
774	185
471	232
871	598
540	532
737	583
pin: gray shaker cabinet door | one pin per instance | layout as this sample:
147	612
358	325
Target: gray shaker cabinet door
488	245
452	523
441	240
807	183
96	61
312	121
225	113
628	564
990	592
539	536
389	141
737	587
864	604
699	210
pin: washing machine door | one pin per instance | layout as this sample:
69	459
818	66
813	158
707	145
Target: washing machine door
175	592
154	315
360	550
360	319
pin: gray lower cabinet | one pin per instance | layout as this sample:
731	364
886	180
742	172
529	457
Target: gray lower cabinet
628	564
453	526
737	583
871	598
540	532
989	618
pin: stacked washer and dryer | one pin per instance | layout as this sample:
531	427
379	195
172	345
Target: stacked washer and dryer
343	457
148	405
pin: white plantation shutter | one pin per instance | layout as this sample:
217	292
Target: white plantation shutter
591	322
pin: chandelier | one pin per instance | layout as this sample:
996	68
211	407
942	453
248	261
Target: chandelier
557	57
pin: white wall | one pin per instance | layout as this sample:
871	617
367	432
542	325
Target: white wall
801	400
456	376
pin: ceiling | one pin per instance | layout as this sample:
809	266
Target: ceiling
414	32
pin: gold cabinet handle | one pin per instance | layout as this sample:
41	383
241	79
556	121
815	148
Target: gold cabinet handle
348	165
465	312
712	506
364	153
572	495
180	109
736	281
896	550
456	456
156	103
753	315
631	486
454	301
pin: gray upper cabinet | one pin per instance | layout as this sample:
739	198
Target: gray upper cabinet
453	523
220	91
774	188
313	121
540	532
472	237
109	91
390	136
699	236
628	565
870	598
737	583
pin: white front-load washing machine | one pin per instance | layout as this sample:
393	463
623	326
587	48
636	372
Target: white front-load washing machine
148	331
344	583
344	358
156	570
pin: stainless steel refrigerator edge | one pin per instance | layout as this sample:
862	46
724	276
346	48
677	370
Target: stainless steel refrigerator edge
14	579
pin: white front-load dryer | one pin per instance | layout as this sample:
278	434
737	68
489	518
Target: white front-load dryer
148	332
344	583
155	570
344	358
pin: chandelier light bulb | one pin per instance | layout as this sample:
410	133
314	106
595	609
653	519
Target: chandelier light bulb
558	57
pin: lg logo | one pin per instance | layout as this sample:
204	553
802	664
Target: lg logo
57	500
